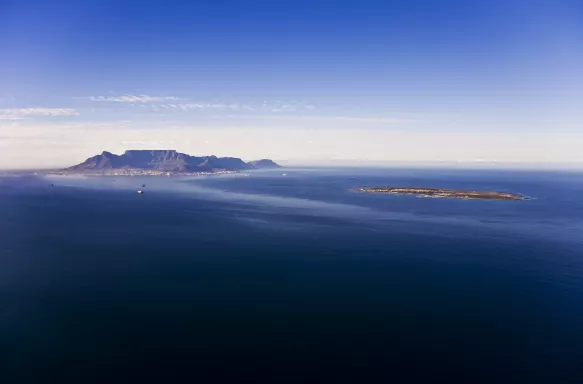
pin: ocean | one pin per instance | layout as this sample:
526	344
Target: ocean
291	279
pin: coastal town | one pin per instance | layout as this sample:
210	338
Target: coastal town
135	172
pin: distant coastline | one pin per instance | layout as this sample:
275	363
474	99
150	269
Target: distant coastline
161	162
132	172
443	193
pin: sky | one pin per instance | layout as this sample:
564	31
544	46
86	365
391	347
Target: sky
301	82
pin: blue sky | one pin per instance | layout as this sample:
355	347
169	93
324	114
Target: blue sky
303	81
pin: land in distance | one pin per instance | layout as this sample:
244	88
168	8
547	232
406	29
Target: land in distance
438	192
161	163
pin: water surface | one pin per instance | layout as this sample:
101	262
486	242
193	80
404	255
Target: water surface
291	279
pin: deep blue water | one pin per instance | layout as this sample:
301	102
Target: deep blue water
291	279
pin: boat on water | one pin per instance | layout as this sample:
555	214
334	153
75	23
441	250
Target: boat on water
284	174
140	191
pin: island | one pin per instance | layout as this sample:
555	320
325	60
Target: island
447	193
161	162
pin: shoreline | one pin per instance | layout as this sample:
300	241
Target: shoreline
132	173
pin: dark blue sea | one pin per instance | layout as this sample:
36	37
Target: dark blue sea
291	279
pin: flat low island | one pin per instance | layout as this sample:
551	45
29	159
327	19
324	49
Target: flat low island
438	192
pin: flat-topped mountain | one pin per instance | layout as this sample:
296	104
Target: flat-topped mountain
163	160
264	164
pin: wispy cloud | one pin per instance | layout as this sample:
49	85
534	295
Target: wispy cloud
202	106
324	118
21	113
265	106
134	98
173	103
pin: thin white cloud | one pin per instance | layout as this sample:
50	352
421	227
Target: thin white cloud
277	106
21	113
386	120
133	98
331	119
194	106
173	103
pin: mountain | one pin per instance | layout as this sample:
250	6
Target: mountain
264	164
165	160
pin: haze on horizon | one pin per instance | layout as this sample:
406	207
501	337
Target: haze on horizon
369	82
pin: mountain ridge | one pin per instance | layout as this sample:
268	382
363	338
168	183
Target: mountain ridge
264	164
168	160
